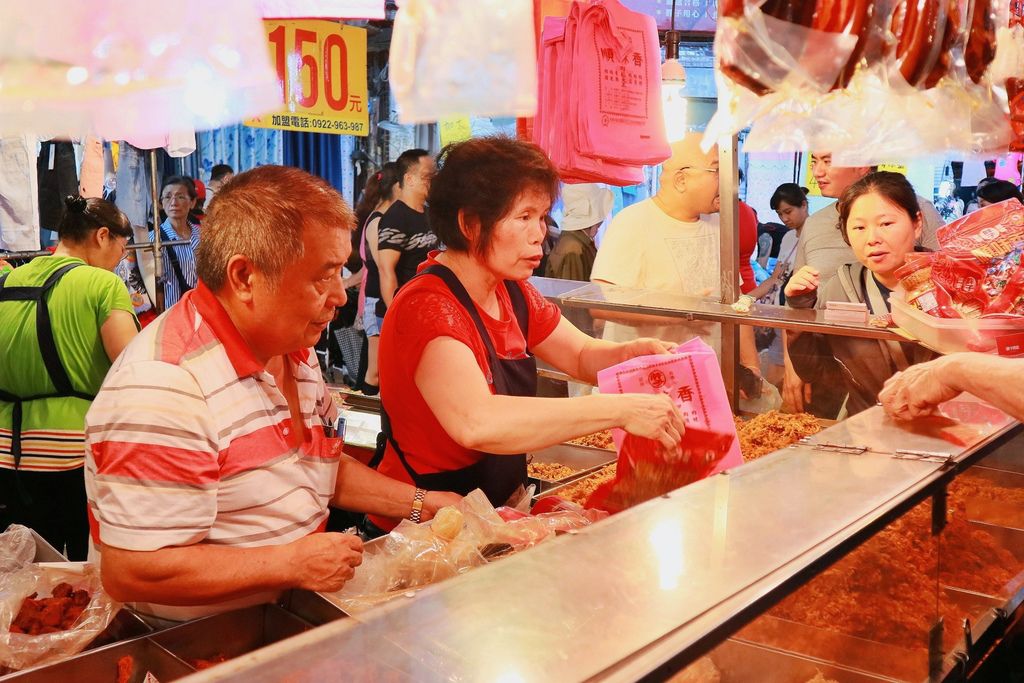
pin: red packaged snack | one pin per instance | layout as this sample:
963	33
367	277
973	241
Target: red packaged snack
962	279
645	471
988	233
920	289
998	276
1010	301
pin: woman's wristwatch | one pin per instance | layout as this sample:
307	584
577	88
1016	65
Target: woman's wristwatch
417	506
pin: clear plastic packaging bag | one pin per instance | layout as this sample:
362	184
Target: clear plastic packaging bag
451	58
917	82
460	538
17	548
20	651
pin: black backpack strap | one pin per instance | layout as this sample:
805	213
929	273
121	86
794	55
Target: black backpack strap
44	329
175	265
44	332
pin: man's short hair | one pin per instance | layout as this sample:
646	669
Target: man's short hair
219	171
406	160
261	214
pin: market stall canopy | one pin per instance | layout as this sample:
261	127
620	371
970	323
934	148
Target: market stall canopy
321	9
132	68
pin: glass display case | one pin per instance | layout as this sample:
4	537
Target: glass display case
870	551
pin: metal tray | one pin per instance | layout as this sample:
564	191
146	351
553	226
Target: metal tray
124	626
555	490
584	459
996	509
46	552
878	659
100	666
230	634
739	662
310	607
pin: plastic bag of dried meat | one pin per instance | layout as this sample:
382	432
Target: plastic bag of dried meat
17	548
646	471
962	278
692	377
21	650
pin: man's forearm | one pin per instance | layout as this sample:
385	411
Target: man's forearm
990	378
194	575
365	490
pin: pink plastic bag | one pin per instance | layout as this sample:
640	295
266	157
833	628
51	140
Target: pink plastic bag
617	62
558	126
692	377
575	163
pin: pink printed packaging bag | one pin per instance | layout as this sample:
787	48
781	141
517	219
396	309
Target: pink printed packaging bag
692	377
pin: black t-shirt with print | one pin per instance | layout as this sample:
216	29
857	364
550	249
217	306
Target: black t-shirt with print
405	230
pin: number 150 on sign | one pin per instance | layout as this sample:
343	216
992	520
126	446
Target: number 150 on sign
321	66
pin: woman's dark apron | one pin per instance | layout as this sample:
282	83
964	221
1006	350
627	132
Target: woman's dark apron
497	475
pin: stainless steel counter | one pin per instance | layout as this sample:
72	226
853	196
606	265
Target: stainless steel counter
619	599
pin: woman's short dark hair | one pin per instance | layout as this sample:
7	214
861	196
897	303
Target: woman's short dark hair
791	193
185	181
482	178
82	216
893	186
999	191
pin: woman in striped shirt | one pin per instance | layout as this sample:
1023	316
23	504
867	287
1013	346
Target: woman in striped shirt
176	199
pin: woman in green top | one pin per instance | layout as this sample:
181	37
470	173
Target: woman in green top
63	320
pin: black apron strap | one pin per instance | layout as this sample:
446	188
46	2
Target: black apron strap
466	300
520	308
48	350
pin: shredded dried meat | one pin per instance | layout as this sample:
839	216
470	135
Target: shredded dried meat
887	590
773	430
601	439
549	471
581	490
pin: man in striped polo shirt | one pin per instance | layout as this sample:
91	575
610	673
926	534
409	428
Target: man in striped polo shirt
208	468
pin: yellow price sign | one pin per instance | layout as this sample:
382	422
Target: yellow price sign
321	66
455	129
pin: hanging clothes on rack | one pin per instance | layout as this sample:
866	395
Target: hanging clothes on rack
135	199
19	189
90	177
58	178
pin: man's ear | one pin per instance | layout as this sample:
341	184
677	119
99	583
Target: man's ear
240	277
679	182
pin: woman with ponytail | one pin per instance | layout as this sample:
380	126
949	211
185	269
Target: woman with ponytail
380	193
63	320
